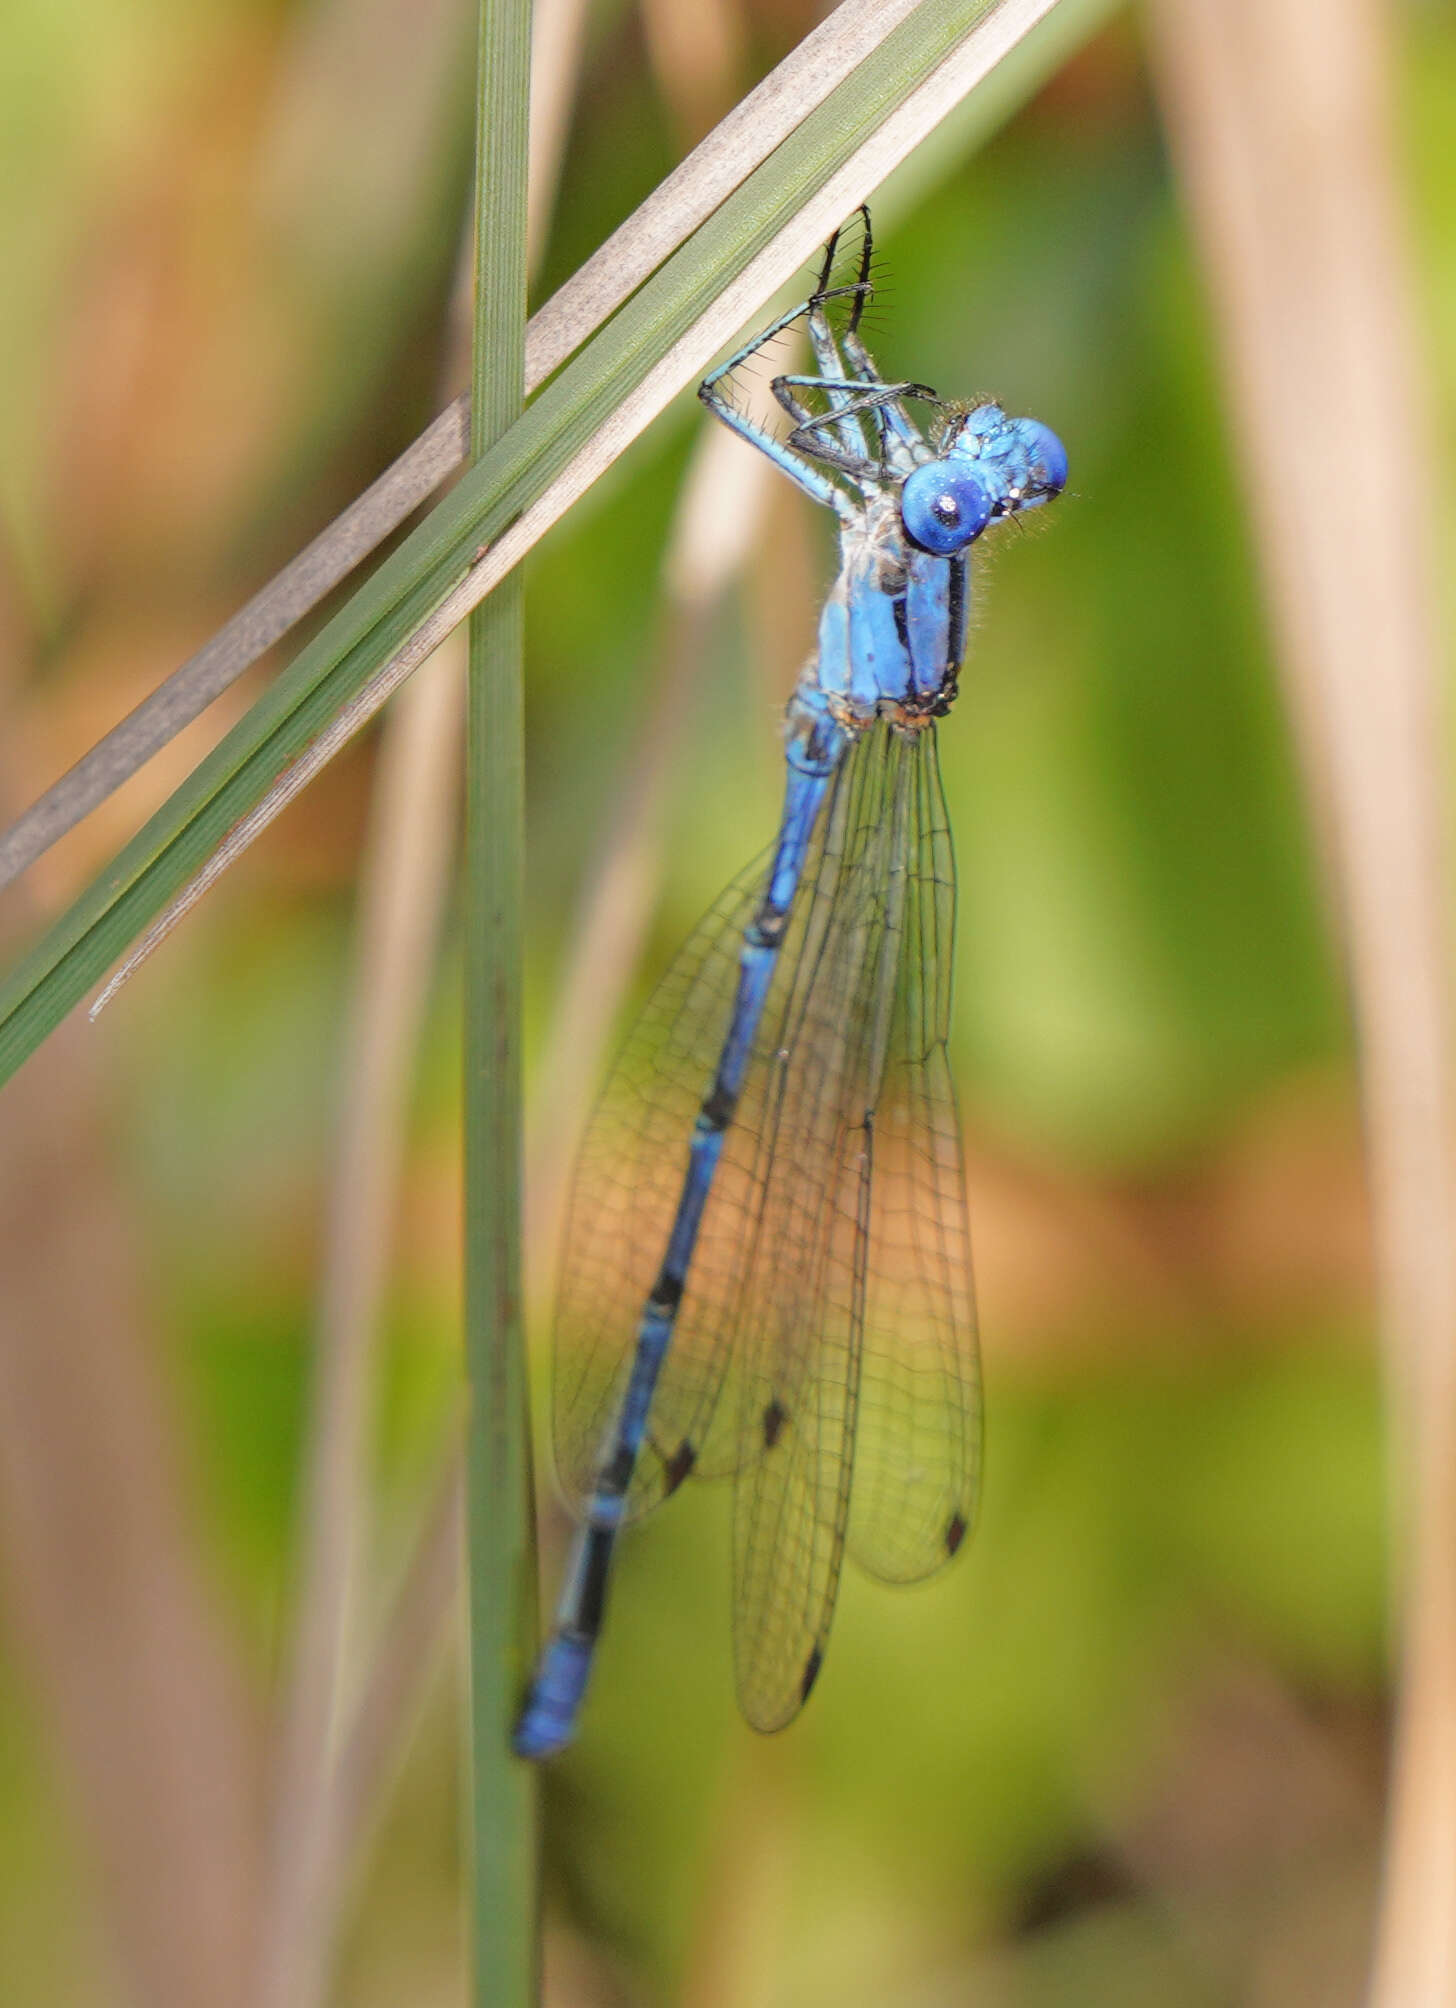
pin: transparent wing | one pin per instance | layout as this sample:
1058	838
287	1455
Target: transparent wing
802	1312
629	1176
858	1400
825	1345
917	1461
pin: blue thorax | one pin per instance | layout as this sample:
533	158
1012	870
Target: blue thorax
893	630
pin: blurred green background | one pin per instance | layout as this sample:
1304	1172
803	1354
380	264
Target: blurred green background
1129	1750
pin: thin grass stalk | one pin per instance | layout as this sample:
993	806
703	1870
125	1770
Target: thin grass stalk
558	45
406	1654
407	864
500	1533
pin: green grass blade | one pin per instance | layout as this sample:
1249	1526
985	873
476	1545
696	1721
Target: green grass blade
500	1545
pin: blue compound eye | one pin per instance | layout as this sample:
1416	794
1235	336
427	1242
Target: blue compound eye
1047	457
944	507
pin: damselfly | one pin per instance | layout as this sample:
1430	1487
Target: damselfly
768	1268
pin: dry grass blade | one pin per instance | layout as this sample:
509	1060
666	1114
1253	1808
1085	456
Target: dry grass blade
1281	113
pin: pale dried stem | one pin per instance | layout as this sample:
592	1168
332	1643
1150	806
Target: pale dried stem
402	895
558	44
400	1666
1280	112
695	48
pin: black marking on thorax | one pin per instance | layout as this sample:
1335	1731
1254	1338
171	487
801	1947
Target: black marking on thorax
955	639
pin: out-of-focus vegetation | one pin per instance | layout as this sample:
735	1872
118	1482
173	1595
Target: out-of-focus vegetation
1128	1750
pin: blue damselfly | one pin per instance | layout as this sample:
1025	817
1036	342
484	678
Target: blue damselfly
768	1267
